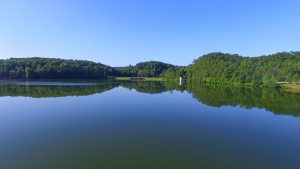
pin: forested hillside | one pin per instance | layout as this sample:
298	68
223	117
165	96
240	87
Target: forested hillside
49	68
263	70
145	69
212	68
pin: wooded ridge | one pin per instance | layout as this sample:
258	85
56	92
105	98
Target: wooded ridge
210	68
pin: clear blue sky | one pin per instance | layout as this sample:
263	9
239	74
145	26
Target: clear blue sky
123	32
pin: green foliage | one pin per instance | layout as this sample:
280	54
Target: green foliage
174	73
263	70
48	68
145	69
213	68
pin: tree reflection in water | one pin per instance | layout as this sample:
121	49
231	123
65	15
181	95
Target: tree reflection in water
274	100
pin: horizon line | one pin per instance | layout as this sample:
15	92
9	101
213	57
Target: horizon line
66	58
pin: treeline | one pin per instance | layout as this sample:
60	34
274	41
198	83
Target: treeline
50	68
234	69
145	69
211	68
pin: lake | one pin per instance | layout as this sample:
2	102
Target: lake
146	125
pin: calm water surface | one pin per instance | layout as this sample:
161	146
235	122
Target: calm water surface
128	125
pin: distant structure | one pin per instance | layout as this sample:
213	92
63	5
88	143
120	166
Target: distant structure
181	81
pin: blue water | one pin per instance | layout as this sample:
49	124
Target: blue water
135	125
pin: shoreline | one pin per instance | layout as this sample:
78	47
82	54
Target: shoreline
140	79
291	88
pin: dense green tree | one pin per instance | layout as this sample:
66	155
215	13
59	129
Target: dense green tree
49	68
174	73
145	69
263	70
211	68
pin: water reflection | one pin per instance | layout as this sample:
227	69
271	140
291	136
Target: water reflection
142	125
274	100
43	91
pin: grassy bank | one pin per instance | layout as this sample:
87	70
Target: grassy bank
291	88
140	79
